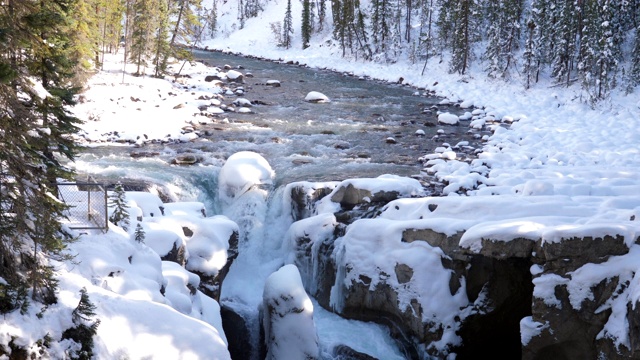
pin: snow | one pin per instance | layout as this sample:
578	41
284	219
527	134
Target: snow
553	168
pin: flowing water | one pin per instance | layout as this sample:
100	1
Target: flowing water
368	129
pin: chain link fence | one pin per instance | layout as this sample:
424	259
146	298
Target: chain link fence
87	203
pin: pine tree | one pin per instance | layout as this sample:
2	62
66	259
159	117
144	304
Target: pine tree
463	36
84	31
120	214
445	23
142	20
306	27
321	7
110	26
493	51
36	134
540	24
185	27
634	71
564	39
139	234
160	44
426	37
85	327
287	27
213	19
529	55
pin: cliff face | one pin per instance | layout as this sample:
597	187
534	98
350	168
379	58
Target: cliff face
447	279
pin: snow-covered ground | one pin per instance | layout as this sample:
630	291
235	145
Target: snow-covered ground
554	167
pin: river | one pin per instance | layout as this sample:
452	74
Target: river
369	128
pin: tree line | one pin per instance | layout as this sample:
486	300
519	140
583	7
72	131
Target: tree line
592	42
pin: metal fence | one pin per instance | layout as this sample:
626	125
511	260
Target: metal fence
87	203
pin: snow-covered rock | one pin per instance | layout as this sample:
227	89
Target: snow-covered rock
316	97
448	119
287	317
235	76
242	171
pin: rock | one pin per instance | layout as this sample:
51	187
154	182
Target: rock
242	102
343	352
287	317
235	76
141	154
185	159
316	97
238	332
210	78
390	140
304	196
528	296
273	83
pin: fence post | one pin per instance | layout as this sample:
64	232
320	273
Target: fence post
89	198
106	208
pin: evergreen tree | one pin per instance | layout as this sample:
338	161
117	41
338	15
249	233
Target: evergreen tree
321	7
120	214
85	327
185	27
634	71
139	234
143	12
287	27
110	25
503	19
381	25
564	39
426	29
445	23
161	44
463	36
529	55
84	30
35	53
213	19
493	51
541	25
306	27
